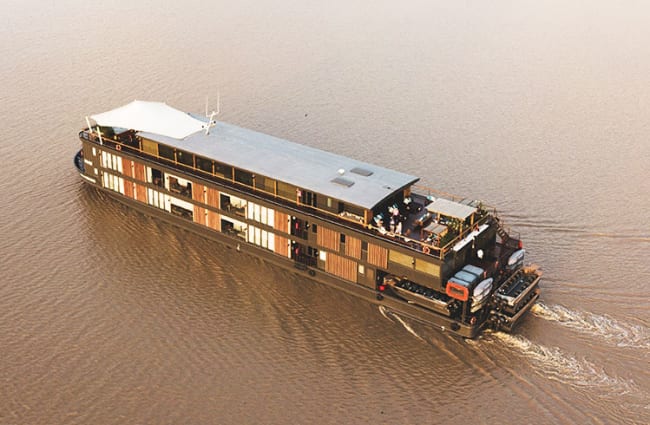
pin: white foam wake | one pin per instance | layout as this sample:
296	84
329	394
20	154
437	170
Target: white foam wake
384	312
553	363
407	327
608	329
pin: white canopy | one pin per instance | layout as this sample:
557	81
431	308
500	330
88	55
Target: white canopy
450	208
151	117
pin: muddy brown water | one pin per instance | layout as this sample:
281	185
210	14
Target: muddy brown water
108	316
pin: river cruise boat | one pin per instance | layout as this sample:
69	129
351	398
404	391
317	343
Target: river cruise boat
364	229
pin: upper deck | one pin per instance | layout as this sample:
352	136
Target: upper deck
353	193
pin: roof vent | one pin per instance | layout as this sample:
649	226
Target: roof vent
361	171
342	181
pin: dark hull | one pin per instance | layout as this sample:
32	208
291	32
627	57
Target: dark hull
393	304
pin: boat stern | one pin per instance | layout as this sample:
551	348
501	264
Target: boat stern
514	298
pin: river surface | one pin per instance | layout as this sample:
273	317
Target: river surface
541	108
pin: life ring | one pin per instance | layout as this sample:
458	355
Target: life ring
426	249
118	147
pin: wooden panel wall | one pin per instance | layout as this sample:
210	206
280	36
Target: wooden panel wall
138	173
213	198
127	165
140	193
214	220
128	188
353	247
341	266
281	246
199	215
328	238
377	256
281	222
198	192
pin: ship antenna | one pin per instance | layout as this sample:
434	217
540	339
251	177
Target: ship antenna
213	114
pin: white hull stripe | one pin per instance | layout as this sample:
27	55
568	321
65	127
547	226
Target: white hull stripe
90	179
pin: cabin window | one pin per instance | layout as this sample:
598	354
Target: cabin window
261	237
329	202
233	204
150	147
287	191
234	227
112	162
185	158
155	198
260	214
243	177
180	186
113	182
267	184
427	267
182	212
166	152
203	164
157	177
314	228
223	170
362	269
399	258
298	228
309	198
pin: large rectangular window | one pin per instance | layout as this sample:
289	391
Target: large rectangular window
428	268
166	152
260	214
399	258
204	164
150	147
112	162
243	177
185	158
287	191
261	237
113	182
223	170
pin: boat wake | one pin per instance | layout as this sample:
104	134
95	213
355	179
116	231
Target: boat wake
388	314
384	312
603	327
553	363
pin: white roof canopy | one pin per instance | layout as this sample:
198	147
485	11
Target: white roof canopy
450	208
151	117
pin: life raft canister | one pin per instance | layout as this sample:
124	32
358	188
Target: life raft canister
457	291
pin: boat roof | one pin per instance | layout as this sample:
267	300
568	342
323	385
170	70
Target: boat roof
154	117
450	208
335	176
